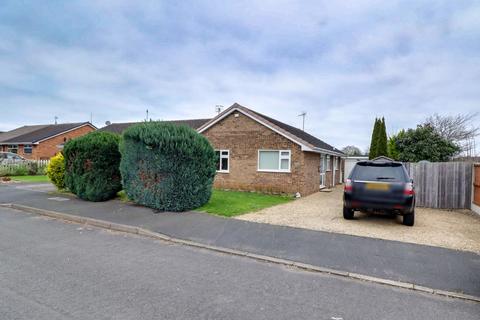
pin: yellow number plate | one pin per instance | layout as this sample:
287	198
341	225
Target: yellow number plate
378	186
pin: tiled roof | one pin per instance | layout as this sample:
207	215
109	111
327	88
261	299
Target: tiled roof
295	134
305	136
33	134
120	127
5	136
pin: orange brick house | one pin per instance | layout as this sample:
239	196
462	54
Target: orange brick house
41	142
259	153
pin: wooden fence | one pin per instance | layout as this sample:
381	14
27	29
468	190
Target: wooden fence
445	185
476	185
24	167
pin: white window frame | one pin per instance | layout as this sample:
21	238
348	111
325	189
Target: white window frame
328	166
280	158
227	156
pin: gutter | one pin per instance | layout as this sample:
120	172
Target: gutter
10	143
325	151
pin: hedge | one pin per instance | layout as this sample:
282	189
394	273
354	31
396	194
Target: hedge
166	166
92	166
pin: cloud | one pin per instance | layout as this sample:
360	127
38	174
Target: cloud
342	63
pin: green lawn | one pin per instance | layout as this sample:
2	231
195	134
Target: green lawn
31	178
233	203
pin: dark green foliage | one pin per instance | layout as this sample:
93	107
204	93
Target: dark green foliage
422	143
382	140
92	166
374	141
378	144
167	166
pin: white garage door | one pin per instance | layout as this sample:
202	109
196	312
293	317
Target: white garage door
350	163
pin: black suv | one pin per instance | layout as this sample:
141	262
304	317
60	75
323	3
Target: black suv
380	185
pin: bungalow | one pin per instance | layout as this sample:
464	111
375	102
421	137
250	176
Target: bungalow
259	153
41	142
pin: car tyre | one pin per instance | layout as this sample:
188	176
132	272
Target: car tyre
347	213
409	219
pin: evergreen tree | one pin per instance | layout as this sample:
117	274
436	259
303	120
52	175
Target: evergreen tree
423	143
373	144
392	147
382	149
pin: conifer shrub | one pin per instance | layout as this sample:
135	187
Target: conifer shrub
92	166
166	166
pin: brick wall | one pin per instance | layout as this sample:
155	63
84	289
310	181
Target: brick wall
311	173
244	137
48	148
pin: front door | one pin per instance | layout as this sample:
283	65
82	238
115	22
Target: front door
323	164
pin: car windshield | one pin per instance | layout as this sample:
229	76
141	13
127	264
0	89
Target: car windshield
390	172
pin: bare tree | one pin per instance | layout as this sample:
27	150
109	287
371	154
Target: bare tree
352	151
459	129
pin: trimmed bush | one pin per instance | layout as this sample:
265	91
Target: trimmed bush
166	166
56	171
42	170
32	168
92	166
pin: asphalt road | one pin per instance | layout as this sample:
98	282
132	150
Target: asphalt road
54	270
433	267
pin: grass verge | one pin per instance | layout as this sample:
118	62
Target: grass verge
31	178
233	203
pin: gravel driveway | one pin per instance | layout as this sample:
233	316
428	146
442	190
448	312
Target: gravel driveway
457	229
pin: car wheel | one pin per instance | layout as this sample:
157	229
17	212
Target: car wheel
347	213
409	219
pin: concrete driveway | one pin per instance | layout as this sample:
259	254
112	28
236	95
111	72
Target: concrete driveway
457	229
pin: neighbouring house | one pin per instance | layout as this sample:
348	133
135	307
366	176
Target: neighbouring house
41	142
259	153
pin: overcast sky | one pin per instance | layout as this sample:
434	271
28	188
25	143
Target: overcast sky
343	64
